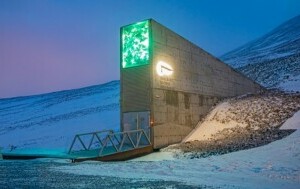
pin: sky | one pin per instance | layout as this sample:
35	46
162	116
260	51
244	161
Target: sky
54	45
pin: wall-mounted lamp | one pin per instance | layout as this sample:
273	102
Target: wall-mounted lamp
163	69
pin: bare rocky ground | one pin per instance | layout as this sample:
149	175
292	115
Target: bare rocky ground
259	118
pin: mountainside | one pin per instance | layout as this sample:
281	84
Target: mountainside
51	120
272	60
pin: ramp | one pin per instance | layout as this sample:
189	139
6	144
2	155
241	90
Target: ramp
108	145
105	145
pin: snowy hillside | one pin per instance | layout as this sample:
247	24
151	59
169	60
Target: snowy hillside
272	60
51	120
241	123
252	112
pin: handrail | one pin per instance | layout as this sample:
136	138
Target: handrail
116	140
126	134
94	134
102	131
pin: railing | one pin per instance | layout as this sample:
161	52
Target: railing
94	136
114	142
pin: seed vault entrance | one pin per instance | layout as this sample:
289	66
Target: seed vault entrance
168	84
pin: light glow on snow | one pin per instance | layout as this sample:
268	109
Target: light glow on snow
210	126
293	122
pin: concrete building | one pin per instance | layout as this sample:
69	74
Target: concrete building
168	84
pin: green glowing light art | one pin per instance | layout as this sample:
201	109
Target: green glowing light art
135	44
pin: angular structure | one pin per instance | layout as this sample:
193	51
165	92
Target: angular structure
168	84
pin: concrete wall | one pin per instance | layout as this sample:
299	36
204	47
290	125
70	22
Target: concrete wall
135	89
198	82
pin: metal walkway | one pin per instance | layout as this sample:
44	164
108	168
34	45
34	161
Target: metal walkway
108	145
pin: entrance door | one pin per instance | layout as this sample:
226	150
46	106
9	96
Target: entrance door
135	121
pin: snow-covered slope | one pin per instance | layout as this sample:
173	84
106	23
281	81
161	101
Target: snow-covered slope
252	112
275	165
241	123
51	120
272	60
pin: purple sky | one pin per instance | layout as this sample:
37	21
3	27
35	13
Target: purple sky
53	45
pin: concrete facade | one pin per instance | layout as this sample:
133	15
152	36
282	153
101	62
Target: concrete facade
177	102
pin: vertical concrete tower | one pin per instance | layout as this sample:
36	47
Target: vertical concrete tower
168	84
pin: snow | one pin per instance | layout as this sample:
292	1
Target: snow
278	55
272	166
272	60
292	84
280	42
50	121
156	156
251	112
275	165
205	130
293	122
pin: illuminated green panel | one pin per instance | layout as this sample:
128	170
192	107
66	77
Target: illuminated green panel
135	44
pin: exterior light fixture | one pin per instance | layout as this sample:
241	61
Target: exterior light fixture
163	69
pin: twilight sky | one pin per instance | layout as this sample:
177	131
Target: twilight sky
55	45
